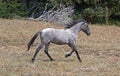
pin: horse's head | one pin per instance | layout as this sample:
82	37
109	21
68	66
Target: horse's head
85	28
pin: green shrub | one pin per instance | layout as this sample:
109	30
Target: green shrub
94	15
4	13
10	8
115	22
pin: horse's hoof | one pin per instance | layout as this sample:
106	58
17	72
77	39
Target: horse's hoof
52	60
67	55
80	60
32	61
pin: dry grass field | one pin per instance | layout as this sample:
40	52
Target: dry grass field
100	52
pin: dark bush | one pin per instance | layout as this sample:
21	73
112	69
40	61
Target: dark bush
11	8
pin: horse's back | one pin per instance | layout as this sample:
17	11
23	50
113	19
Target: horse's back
58	36
47	30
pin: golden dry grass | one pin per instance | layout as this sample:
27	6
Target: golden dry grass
100	52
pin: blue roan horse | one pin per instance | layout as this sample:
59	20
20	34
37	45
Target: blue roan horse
60	36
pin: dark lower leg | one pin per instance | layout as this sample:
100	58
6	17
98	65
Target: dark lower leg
69	54
36	52
33	59
73	47
78	56
49	56
46	51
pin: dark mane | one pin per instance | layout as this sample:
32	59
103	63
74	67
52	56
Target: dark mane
73	23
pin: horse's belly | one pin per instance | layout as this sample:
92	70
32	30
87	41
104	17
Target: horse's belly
60	41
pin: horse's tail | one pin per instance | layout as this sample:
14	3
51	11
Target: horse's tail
32	39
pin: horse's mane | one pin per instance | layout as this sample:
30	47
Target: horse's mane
74	22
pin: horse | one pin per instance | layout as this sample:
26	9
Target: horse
66	36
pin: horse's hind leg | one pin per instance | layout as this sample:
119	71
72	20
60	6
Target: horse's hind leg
46	51
36	52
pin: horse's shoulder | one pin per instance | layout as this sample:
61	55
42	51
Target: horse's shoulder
71	33
68	31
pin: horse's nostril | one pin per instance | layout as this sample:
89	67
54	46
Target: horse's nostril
88	33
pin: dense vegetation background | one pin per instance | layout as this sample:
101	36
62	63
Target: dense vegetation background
94	11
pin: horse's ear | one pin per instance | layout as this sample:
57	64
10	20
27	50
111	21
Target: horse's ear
84	20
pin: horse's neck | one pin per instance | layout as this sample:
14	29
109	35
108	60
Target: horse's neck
76	29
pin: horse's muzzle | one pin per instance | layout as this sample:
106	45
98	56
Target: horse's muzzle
88	34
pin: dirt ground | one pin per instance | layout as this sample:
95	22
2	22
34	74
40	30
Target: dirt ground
100	52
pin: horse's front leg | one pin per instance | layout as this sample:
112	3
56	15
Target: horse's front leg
69	54
77	54
73	47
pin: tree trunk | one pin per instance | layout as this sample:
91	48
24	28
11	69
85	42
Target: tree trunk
107	15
